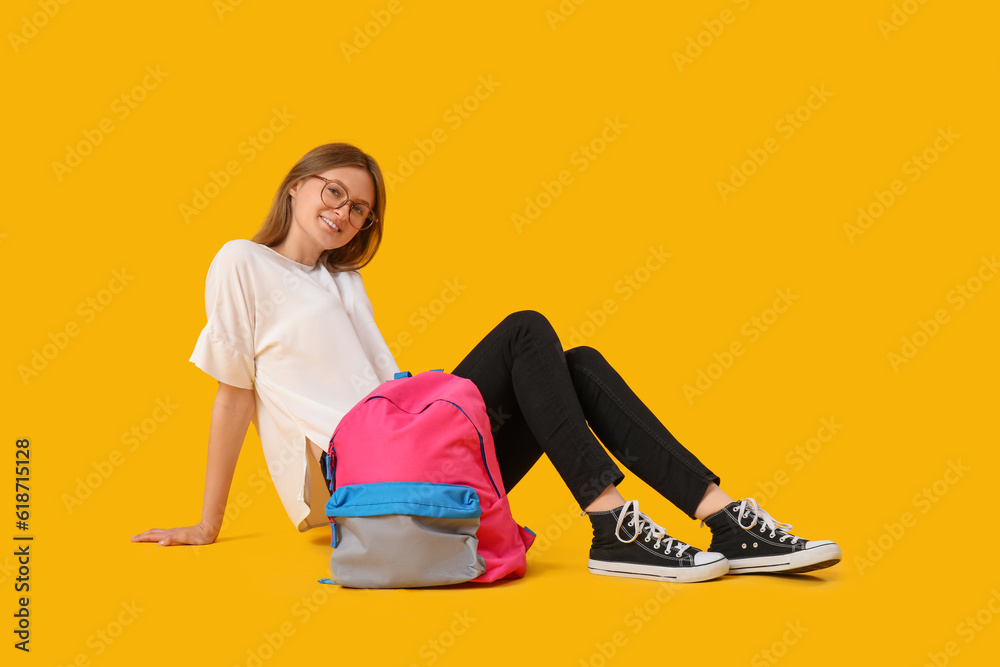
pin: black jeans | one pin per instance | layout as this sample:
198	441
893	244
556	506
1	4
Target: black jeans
541	399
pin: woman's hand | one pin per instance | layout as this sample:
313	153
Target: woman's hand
196	534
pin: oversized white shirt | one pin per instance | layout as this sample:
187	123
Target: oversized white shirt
306	342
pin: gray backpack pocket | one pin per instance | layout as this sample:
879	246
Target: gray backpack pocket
404	534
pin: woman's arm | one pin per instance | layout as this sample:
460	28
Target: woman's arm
231	414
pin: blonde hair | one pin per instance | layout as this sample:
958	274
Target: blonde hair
361	249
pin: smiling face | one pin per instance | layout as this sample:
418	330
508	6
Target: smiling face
316	227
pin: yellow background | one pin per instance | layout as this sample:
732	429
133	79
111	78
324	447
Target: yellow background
556	85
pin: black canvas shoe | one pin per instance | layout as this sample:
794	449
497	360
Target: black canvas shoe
627	543
754	542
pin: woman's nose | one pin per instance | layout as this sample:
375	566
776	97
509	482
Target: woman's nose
343	210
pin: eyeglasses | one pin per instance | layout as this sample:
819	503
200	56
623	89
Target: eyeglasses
335	195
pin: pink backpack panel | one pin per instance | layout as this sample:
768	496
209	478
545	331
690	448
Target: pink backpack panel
432	428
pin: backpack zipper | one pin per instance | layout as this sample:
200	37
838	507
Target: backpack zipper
482	444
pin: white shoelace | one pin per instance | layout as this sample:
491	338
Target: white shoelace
653	530
749	506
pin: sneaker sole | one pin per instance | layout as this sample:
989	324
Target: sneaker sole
683	575
793	563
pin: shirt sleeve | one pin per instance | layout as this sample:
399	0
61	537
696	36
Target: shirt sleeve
225	348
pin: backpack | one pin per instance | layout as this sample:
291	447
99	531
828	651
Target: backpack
416	494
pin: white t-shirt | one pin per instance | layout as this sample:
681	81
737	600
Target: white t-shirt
306	341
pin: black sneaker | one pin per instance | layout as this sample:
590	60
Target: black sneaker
754	542
627	543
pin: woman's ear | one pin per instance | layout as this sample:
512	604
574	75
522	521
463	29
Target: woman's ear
294	189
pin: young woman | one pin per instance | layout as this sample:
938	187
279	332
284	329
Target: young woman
291	339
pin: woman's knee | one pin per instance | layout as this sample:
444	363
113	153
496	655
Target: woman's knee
530	319
583	356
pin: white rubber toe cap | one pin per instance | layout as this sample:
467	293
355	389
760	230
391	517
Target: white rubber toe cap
812	544
706	557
